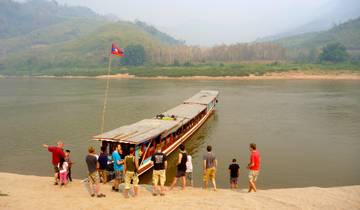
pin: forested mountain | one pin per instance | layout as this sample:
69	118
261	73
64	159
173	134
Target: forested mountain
19	18
347	33
334	12
85	52
44	38
155	32
310	44
39	35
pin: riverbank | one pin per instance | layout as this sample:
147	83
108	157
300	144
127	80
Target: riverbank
268	76
34	192
298	75
243	69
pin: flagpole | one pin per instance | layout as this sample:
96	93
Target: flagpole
106	94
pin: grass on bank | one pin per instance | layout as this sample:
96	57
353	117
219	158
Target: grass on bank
210	69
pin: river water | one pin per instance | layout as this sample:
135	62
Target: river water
307	131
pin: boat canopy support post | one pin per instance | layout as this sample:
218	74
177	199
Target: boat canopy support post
147	148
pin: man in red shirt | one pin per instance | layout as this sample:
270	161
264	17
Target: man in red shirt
57	154
253	166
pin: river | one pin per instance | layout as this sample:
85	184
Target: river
307	131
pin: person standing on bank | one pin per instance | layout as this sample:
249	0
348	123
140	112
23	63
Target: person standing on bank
189	170
159	160
63	171
118	168
131	165
209	164
94	179
254	167
181	168
234	170
103	161
70	163
57	154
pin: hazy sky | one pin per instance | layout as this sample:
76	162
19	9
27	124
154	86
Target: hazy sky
208	22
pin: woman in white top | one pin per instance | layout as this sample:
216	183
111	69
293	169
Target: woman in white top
63	169
189	170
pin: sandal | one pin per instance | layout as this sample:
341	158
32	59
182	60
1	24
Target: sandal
101	195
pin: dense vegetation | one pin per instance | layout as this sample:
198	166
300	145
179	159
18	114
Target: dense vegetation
135	55
305	47
19	18
155	32
334	53
245	69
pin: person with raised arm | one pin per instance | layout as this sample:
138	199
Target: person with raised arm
57	154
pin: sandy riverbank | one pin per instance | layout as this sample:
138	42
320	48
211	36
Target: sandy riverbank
269	76
34	192
298	75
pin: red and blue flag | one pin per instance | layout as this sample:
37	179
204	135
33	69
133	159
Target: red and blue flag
116	50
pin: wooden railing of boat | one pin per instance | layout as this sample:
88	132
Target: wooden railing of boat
146	166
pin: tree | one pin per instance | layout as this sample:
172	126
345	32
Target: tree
176	63
313	55
134	55
334	52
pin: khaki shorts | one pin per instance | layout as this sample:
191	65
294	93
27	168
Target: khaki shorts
94	177
119	175
253	175
103	174
210	174
130	175
159	174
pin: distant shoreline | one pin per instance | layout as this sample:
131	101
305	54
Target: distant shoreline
298	75
269	76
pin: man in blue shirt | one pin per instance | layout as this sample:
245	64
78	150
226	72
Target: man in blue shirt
118	167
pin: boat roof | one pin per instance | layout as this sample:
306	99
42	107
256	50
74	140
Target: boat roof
138	132
146	129
203	97
185	111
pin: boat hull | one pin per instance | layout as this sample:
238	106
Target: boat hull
148	165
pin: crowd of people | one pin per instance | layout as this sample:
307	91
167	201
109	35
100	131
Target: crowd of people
125	169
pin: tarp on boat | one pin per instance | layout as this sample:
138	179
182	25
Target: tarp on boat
203	97
185	111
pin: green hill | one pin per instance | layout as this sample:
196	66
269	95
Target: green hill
70	40
19	18
80	55
50	35
347	33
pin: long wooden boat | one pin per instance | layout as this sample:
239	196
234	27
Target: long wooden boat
169	129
